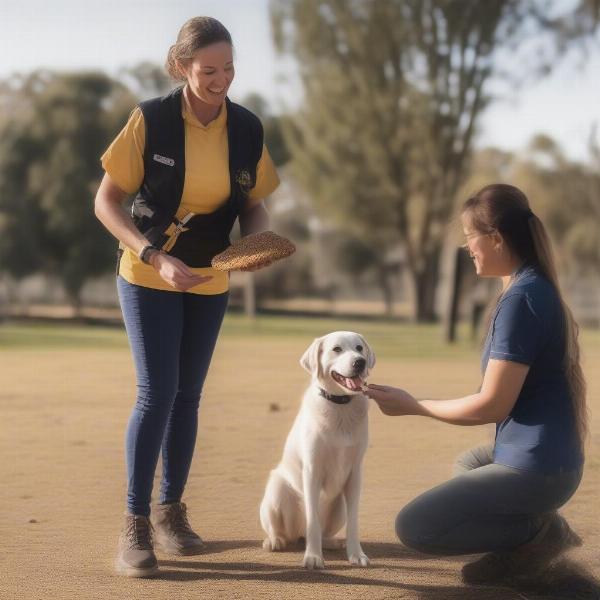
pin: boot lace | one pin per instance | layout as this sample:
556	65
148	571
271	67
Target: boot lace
138	533
178	520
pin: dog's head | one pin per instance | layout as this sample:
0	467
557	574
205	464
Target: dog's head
339	361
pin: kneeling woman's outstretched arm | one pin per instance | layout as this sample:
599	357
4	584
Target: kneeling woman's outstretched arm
500	389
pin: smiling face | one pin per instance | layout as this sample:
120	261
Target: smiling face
209	73
490	254
340	361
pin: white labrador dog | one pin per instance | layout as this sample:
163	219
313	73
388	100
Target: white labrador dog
315	489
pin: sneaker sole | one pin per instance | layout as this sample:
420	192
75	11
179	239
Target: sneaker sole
141	572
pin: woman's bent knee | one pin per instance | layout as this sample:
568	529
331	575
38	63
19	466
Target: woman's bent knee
412	531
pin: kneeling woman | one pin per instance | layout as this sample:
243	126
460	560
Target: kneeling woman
504	498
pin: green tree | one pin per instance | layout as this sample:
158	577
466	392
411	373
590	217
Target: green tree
273	127
49	170
146	80
568	196
393	91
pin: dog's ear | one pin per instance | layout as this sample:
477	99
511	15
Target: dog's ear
370	353
311	359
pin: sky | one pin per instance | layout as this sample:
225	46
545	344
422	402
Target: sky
109	34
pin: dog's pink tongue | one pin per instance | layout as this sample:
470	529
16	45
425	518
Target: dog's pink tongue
354	383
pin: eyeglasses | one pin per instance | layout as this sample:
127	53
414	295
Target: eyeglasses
473	234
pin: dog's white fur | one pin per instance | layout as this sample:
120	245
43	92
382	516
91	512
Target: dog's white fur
315	489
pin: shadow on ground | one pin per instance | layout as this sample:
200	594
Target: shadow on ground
563	580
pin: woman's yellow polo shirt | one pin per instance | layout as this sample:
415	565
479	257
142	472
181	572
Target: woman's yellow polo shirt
205	188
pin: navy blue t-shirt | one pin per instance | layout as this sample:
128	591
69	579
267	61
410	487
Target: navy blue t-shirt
527	327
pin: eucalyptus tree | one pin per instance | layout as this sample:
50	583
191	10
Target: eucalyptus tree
393	91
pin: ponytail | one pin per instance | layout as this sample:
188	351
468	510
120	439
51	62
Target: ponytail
572	359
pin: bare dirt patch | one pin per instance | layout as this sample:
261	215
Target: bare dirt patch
63	417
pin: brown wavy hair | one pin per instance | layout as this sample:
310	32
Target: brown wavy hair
505	209
196	33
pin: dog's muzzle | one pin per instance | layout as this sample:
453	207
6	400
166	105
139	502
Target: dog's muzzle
355	383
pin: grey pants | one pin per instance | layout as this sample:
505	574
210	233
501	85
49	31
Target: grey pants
486	507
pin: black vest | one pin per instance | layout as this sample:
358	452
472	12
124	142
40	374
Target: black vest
159	196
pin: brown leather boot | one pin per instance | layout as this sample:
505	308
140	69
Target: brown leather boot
554	538
173	533
136	557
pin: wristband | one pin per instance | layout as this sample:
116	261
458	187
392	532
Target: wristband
145	253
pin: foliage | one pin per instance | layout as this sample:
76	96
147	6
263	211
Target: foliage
568	196
146	80
49	171
393	93
273	127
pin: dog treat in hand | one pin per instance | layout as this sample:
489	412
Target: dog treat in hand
252	251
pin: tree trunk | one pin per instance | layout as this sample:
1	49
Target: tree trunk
75	302
383	277
425	283
8	302
451	315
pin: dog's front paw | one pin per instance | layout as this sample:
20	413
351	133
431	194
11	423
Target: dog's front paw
358	558
275	544
313	561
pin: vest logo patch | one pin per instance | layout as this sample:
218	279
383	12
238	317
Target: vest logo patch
164	160
244	179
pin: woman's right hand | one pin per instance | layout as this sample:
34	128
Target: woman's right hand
176	273
392	401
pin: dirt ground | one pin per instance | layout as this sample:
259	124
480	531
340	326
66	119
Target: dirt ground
63	415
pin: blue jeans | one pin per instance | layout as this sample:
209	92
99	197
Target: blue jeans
486	507
172	337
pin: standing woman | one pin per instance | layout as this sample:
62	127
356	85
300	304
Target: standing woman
503	499
196	162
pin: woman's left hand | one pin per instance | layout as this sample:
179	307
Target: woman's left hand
392	401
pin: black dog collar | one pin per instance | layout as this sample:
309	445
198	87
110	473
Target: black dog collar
333	398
